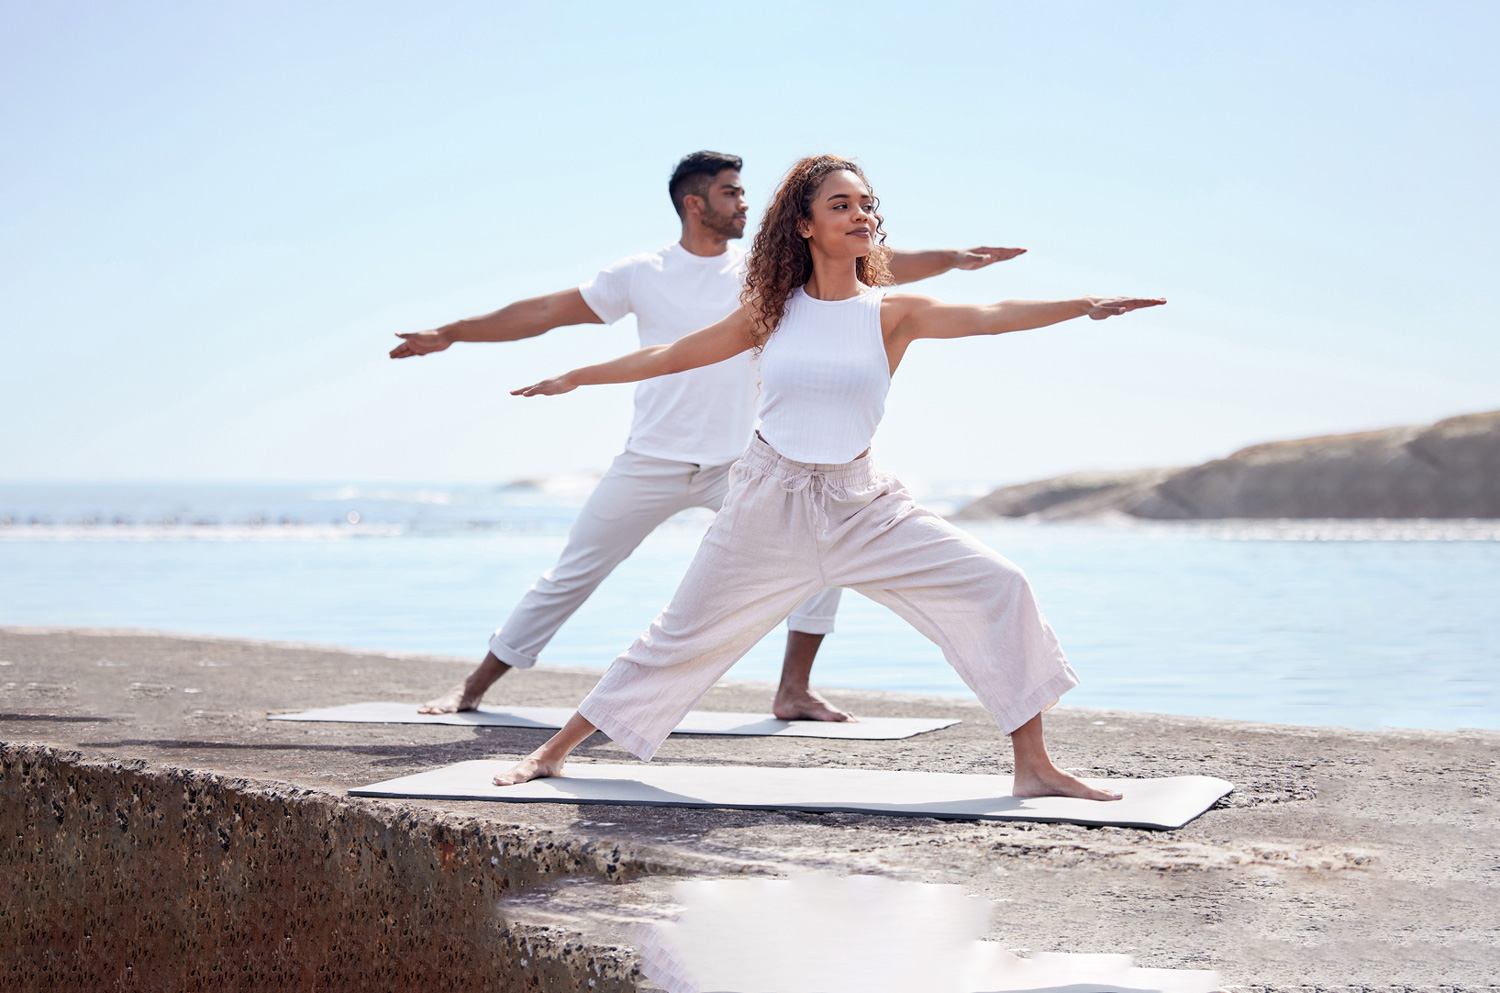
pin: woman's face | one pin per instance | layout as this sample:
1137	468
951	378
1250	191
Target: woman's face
843	217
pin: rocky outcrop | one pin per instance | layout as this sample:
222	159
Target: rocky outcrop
1450	469
1079	494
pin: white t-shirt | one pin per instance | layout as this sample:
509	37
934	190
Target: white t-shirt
702	415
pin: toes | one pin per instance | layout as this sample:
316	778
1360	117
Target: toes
520	774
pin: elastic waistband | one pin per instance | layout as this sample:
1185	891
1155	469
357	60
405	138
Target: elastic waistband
765	459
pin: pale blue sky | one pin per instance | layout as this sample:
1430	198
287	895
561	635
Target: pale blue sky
214	218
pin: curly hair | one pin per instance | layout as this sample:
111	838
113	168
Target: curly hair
780	260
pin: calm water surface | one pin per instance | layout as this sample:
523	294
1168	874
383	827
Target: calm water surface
1353	625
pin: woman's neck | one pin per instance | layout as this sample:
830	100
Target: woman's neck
832	279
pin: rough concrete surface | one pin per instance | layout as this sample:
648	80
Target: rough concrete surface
160	833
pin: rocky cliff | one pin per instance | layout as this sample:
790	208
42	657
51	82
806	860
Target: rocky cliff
1450	469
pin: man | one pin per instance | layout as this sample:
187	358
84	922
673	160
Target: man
687	431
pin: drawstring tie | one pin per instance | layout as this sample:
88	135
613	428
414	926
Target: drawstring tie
821	489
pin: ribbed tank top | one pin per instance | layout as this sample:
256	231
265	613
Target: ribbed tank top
824	376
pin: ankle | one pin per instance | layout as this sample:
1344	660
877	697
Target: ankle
1033	765
483	678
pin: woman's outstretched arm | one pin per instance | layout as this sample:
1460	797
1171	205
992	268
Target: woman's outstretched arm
914	317
714	343
910	267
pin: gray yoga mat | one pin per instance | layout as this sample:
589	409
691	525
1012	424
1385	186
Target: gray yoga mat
1147	803
697	722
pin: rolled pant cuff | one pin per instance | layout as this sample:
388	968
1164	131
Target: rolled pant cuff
810	625
606	721
1037	701
508	655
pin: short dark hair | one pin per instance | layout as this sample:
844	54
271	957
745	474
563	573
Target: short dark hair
695	173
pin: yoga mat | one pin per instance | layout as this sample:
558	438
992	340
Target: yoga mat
697	722
1148	803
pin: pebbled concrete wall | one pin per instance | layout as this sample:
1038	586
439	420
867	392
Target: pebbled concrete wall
126	877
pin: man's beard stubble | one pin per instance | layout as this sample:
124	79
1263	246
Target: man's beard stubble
723	225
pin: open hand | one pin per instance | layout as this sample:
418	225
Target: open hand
1102	307
978	258
420	343
547	387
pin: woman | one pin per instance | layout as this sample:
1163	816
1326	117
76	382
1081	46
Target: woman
806	508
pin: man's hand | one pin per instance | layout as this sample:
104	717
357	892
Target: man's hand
420	343
1101	307
978	258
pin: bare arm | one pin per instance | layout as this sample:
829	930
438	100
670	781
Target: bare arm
914	317
908	267
714	343
522	319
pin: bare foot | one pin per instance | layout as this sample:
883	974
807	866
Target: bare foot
806	705
457	699
467	694
531	767
1052	781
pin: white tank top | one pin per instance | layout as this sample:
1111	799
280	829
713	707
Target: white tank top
823	378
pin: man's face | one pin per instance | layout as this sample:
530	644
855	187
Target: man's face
725	210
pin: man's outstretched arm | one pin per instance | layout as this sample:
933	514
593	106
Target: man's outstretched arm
908	267
522	319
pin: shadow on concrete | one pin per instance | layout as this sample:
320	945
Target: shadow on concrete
387	755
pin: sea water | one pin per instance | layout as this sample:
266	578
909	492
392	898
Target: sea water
1356	624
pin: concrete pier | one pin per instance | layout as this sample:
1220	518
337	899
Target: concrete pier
159	833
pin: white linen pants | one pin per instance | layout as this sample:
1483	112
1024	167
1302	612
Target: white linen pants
788	529
636	495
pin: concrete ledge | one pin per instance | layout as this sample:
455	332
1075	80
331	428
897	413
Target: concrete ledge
158	833
120	875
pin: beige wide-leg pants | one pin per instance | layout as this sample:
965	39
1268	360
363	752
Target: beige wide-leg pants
789	529
635	496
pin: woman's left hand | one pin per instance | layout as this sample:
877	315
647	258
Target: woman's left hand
547	387
978	258
1102	307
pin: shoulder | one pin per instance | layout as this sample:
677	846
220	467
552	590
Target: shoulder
610	293
900	305
897	308
640	260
